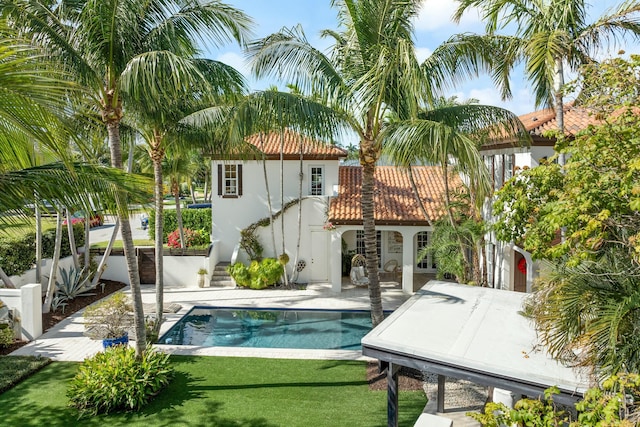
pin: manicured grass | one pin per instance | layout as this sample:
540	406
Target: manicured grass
229	392
119	245
14	368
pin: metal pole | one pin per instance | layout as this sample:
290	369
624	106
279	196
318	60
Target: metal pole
392	395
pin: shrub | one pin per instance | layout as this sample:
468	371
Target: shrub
194	219
74	282
6	335
115	380
191	237
109	318
258	275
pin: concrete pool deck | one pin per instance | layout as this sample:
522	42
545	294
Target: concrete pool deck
66	340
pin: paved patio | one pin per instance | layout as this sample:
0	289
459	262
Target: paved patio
66	341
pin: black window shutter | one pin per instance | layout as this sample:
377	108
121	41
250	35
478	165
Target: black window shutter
219	180
239	180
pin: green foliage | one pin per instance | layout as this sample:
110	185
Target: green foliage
6	335
194	219
258	275
250	243
74	282
596	196
615	403
594	307
116	380
191	238
109	318
18	253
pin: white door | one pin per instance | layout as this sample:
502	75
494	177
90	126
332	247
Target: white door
319	250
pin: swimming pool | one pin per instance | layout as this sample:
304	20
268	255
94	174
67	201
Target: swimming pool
270	328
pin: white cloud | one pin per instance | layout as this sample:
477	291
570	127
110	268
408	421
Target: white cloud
423	53
436	14
236	61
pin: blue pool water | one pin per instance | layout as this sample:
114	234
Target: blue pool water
270	328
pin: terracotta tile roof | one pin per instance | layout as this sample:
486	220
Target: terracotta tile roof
395	202
575	120
312	149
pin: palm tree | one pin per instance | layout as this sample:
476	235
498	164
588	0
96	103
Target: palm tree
102	41
372	73
549	36
450	134
203	82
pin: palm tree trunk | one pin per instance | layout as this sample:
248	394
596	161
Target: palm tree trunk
558	83
113	130
156	156
266	184
102	265
370	237
415	192
284	275
447	200
175	189
294	273
72	241
87	245
6	279
38	245
51	286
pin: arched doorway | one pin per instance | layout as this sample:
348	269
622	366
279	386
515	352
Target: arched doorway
520	272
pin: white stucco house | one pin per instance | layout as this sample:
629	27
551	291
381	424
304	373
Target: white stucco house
331	216
509	266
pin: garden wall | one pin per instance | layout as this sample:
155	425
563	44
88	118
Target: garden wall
27	305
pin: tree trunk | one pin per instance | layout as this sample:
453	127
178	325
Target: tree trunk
284	265
72	240
87	245
112	120
447	200
38	245
157	154
415	192
51	286
294	273
266	184
175	189
558	83
368	158
6	279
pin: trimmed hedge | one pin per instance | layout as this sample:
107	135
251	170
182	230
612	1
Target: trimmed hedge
193	219
18	253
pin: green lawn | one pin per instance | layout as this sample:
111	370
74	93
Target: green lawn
225	392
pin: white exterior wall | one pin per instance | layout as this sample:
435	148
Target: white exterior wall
29	276
314	248
27	304
233	214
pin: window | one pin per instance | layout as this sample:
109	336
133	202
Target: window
423	240
230	180
497	172
317	178
508	166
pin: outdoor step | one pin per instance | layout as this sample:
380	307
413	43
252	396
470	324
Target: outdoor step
220	273
223	283
220	277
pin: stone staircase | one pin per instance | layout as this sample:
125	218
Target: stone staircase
220	277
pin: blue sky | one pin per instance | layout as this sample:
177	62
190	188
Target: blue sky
433	26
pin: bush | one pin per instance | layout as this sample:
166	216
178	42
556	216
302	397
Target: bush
191	237
194	219
258	275
6	335
17	253
115	380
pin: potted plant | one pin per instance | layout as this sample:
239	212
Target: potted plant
109	320
202	275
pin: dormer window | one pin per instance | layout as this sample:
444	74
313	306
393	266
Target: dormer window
230	180
317	181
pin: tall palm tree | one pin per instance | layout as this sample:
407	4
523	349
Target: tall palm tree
449	135
371	73
203	82
100	41
549	36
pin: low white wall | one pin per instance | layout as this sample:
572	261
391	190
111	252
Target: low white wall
29	276
116	269
27	304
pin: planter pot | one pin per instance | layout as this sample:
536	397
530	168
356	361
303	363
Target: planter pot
201	280
110	342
